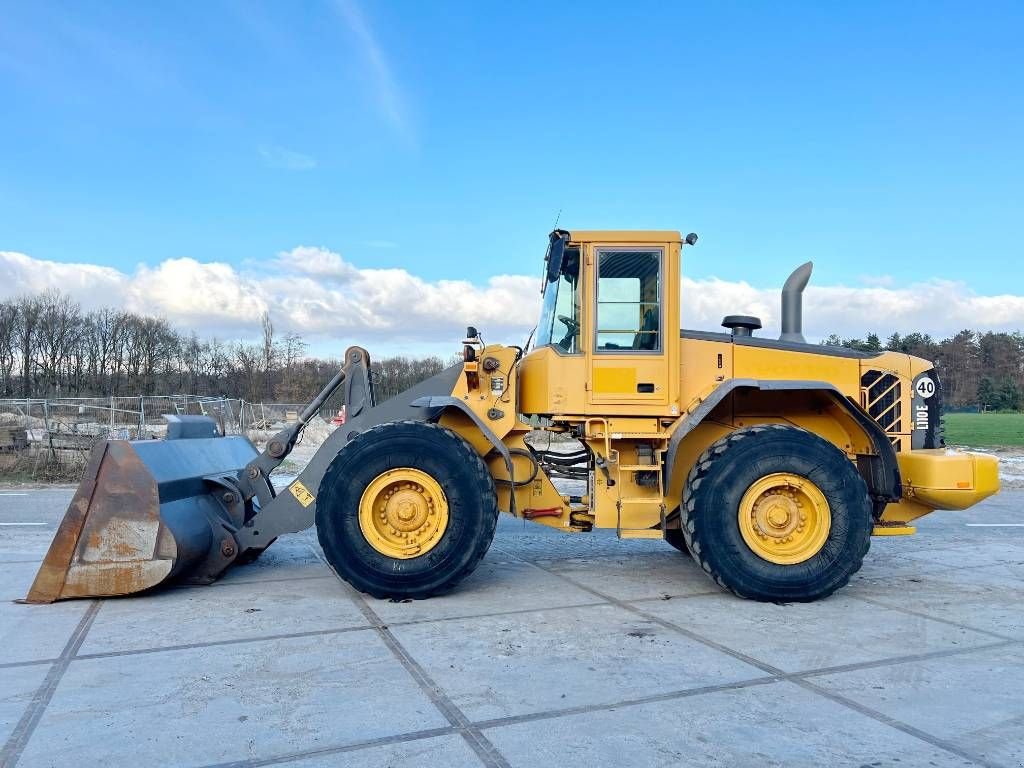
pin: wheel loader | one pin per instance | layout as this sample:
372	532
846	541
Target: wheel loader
771	462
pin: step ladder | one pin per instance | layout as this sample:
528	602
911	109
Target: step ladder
659	501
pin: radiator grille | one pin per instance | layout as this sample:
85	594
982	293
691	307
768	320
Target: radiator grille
882	393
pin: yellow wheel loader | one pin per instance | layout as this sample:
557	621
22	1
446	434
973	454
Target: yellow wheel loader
770	461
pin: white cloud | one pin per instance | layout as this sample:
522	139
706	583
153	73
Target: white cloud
316	292
92	285
318	262
196	294
938	307
285	159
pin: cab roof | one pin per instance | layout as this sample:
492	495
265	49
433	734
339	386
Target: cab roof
624	236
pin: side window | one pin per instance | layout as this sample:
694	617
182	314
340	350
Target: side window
629	300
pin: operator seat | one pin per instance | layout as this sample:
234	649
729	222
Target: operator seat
647	338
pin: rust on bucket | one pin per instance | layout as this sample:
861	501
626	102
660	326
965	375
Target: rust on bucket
111	540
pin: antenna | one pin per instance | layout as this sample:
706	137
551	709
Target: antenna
557	217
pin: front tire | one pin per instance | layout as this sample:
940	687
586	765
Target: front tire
406	510
776	513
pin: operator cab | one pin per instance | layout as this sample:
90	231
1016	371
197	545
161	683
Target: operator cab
603	334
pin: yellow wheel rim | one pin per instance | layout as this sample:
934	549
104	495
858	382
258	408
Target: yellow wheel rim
784	518
403	513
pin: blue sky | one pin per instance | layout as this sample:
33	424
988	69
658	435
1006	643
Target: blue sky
881	140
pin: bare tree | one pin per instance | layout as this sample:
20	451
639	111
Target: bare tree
57	335
269	354
29	309
8	346
249	359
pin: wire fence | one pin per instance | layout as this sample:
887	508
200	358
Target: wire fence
51	438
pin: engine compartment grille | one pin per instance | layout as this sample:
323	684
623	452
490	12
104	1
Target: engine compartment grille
882	398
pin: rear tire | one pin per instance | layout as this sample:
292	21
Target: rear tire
716	489
468	490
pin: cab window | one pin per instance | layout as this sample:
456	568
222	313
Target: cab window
629	300
560	320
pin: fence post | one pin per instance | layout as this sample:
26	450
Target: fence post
111	415
46	426
142	416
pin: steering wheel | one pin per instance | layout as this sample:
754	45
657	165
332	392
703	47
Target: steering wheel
572	325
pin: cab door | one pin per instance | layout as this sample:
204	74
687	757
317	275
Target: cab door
628	341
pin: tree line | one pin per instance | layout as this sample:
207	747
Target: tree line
977	369
50	347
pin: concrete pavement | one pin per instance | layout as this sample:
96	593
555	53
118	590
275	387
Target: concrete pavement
559	651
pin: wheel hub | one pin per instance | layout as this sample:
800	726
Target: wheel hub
784	518
403	513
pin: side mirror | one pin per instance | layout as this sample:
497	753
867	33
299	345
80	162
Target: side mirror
556	250
691	239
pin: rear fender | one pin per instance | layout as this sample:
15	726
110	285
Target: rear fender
879	467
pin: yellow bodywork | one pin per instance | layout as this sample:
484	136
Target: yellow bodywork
625	407
939	479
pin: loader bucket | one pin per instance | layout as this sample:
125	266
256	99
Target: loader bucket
147	512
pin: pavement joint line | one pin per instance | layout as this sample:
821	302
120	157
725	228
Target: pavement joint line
553	714
923	615
892	661
771	670
480	744
703	690
19	738
309	633
806	684
484	749
503	721
582	709
228	641
400	738
899	725
32	663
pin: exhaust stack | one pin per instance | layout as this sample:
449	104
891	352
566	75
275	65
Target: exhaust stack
792	303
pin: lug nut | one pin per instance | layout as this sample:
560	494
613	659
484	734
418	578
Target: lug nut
227	549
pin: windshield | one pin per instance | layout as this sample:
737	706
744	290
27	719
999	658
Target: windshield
559	324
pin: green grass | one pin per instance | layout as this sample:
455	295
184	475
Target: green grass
985	429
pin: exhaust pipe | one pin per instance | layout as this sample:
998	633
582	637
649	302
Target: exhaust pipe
792	303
